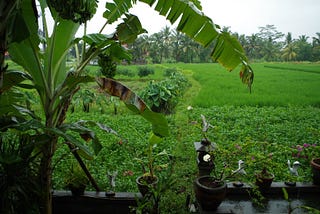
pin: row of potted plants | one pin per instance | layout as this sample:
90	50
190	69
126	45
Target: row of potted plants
211	185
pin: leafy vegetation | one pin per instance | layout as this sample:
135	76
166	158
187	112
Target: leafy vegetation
269	134
54	81
163	96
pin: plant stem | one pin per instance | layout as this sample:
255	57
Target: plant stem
83	166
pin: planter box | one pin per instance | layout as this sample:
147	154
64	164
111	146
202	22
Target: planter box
93	202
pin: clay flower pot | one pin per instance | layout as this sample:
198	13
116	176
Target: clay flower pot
315	165
209	193
264	180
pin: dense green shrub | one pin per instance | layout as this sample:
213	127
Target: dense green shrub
125	72
170	71
19	179
144	71
163	96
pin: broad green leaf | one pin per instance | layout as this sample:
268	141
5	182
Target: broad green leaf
154	139
13	78
26	52
118	52
72	81
56	52
135	104
227	49
84	151
129	30
116	9
86	133
98	40
33	124
25	55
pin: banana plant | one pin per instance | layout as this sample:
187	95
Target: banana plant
46	72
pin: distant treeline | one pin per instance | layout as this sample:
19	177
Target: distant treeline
169	46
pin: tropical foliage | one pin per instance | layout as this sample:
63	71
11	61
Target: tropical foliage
46	72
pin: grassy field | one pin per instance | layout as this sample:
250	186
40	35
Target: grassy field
271	87
282	112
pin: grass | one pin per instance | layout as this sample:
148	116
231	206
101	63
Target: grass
282	112
271	87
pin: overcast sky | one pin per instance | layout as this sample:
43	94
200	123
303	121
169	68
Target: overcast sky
300	17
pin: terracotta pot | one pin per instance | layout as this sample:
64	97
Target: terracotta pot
209	194
315	165
145	183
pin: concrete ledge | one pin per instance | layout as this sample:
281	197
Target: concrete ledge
93	202
276	188
238	200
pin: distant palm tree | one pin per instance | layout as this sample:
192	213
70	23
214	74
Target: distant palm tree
316	47
304	48
289	52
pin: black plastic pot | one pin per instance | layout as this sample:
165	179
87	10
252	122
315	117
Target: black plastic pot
209	194
145	183
77	191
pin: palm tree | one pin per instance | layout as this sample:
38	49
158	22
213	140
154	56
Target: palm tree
165	33
177	45
304	48
316	47
289	52
55	84
140	49
254	46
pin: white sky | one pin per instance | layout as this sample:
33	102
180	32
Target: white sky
300	17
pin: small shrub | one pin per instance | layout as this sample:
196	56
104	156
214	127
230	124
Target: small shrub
170	71
125	72
144	71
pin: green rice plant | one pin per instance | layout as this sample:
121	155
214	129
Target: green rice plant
273	87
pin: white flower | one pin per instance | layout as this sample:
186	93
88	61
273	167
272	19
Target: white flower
189	108
207	158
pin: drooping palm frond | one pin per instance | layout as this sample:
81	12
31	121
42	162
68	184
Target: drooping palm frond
192	21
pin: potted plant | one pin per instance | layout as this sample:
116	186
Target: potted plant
259	161
309	154
76	180
315	166
264	179
211	188
149	165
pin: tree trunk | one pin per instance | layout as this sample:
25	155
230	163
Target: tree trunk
3	49
46	177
